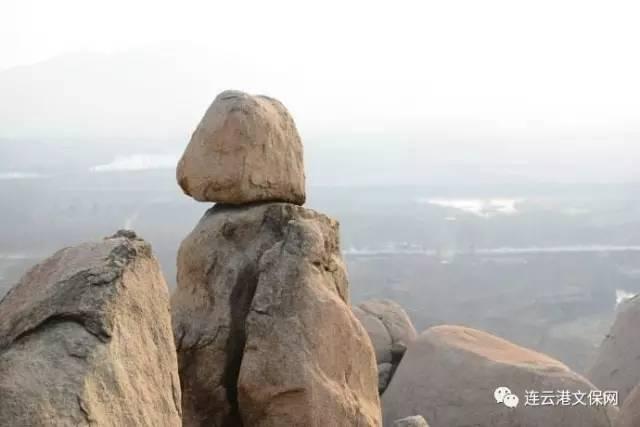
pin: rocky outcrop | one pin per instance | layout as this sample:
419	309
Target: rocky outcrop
390	331
617	363
450	373
415	421
245	149
85	339
630	412
264	332
261	313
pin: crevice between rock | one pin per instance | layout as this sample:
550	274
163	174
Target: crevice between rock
240	302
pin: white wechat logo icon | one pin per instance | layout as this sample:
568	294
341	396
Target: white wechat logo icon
511	401
503	395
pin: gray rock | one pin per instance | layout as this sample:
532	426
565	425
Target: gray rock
264	332
85	339
385	372
395	320
617	363
415	421
630	411
378	333
390	330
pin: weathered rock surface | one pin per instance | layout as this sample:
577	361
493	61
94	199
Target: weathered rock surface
264	332
245	149
617	363
85	339
385	373
378	334
630	412
415	421
449	375
390	331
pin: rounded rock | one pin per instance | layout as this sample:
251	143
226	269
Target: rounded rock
245	149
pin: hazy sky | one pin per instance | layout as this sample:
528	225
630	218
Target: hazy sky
566	60
545	73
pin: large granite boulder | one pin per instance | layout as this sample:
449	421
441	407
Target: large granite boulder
450	375
264	331
390	330
85	339
245	149
617	363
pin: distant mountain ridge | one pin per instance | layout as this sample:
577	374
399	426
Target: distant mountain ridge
150	93
83	110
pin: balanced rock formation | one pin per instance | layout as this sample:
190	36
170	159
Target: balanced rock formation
85	339
630	412
617	363
245	149
415	421
390	331
264	331
450	373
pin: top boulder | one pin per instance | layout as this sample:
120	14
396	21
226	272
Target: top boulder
245	149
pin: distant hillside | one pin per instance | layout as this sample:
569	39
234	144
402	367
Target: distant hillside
82	110
155	93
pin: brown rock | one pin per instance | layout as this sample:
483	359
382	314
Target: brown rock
390	331
617	363
245	149
630	411
264	331
85	339
449	375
